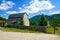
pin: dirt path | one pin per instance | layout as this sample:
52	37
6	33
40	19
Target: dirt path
27	36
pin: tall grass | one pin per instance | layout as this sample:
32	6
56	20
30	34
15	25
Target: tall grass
17	30
51	30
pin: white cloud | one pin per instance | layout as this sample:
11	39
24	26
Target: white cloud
55	12
11	12
36	6
3	15
23	5
6	5
20	8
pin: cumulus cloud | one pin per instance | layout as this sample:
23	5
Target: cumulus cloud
6	5
36	6
11	12
55	12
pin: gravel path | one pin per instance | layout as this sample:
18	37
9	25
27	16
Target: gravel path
27	36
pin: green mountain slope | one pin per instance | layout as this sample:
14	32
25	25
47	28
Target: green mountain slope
2	19
50	18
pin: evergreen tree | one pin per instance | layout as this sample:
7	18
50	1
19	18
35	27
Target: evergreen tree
35	23
43	21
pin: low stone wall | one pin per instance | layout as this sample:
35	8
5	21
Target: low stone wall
43	28
34	28
1	24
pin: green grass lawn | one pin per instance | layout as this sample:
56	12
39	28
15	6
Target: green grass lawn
51	30
17	30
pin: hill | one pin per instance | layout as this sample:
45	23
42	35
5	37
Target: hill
2	19
50	18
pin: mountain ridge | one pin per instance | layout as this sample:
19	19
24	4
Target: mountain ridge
48	17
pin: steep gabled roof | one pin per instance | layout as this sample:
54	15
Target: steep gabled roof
17	15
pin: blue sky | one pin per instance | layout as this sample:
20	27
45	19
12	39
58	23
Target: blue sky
32	7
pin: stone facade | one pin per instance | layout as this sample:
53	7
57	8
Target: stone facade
26	21
19	19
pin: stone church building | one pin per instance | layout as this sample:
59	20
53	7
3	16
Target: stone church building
18	19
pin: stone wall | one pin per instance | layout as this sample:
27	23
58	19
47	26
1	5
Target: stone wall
34	28
25	20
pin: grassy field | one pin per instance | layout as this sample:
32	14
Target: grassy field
17	30
50	30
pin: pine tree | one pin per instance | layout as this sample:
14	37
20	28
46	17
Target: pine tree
43	21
